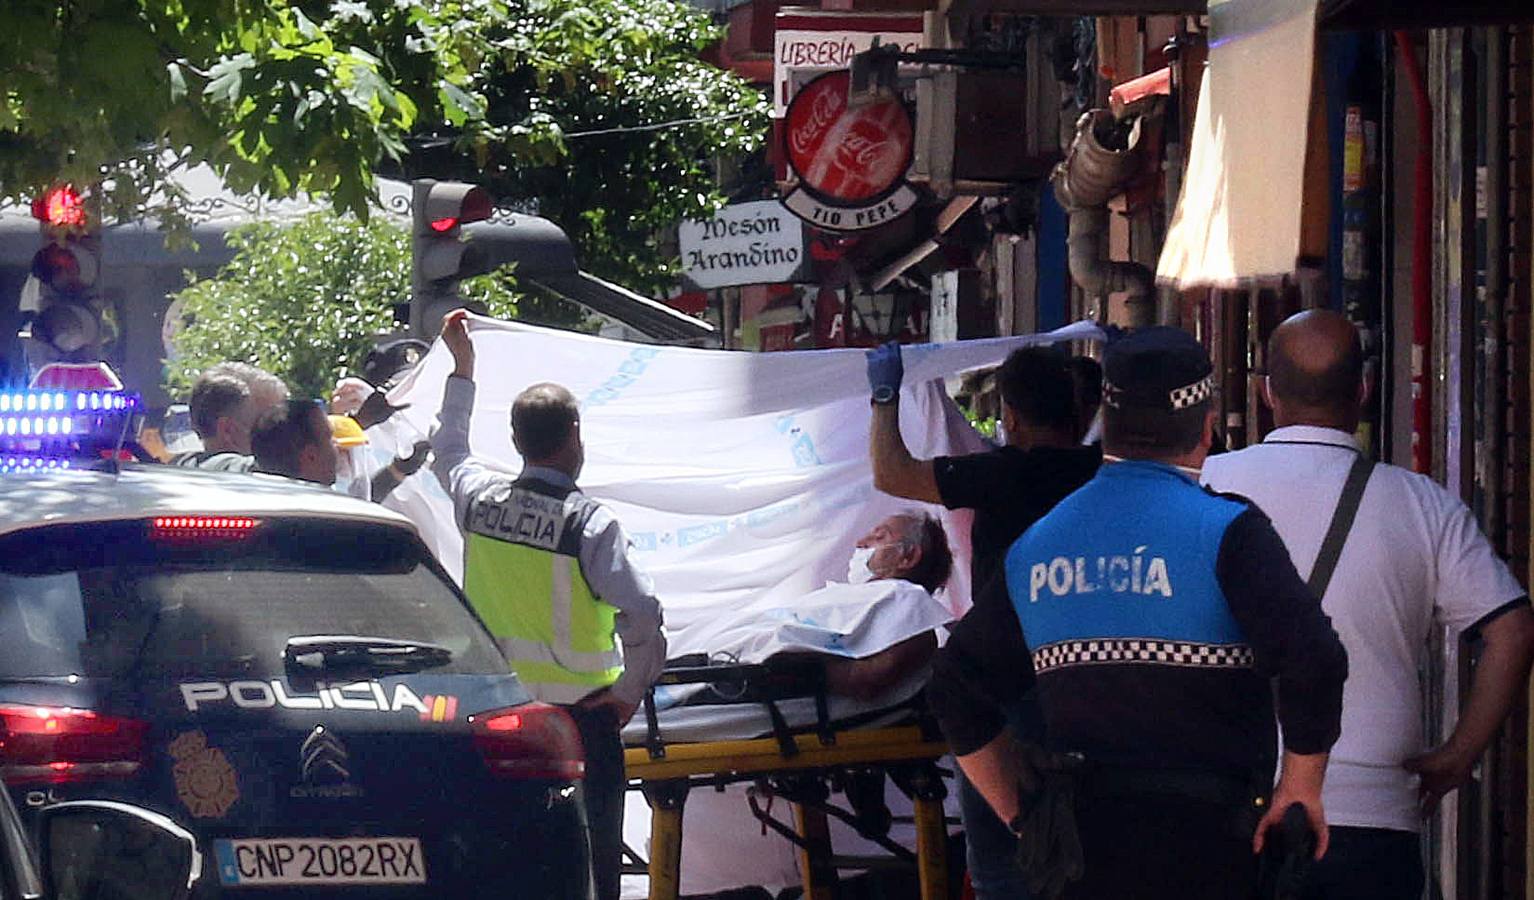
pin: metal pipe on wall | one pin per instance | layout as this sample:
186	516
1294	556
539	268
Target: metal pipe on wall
1103	156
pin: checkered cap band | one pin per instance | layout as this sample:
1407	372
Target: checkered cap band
1180	398
1141	650
1193	394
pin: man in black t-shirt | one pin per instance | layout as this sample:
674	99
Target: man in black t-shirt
1009	488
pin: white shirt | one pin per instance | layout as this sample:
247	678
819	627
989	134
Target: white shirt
1415	558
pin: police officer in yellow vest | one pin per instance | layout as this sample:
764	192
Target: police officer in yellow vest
548	570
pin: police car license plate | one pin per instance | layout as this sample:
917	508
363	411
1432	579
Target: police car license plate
260	862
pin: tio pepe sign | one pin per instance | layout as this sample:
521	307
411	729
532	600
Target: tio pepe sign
851	161
748	243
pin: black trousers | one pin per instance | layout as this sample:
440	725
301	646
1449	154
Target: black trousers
603	793
1164	847
1368	864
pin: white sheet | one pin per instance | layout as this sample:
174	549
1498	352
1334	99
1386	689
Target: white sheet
847	620
739	476
742	478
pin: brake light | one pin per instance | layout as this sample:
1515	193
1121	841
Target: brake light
532	741
57	745
191	528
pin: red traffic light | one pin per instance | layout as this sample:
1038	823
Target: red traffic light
449	204
62	207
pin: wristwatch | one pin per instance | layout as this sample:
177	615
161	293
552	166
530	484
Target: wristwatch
884	394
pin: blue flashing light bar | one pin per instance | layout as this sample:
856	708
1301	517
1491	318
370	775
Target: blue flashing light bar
44	429
32	464
38	426
23	402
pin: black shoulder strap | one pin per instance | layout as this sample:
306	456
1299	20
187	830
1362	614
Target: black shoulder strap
1342	523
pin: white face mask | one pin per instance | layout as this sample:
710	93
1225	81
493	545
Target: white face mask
857	568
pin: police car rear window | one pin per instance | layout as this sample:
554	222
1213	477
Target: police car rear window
116	599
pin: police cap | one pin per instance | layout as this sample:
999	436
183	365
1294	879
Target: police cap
389	359
1156	368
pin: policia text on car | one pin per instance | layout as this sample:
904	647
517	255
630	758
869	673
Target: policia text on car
1154	615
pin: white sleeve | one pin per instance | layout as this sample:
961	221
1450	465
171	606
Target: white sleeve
616	580
461	475
1473	581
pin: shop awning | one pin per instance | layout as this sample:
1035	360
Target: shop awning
1244	214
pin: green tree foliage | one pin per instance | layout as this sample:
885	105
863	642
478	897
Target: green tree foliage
578	95
279	97
306	300
284	97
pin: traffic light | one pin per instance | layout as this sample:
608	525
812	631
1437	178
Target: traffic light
68	325
440	257
446	248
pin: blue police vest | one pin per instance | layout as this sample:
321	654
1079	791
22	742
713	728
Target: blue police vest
1123	572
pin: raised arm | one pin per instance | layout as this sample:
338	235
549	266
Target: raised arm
896	471
461	475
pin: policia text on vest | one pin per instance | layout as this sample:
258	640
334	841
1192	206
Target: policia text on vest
528	518
1152	619
1120	574
548	570
522	571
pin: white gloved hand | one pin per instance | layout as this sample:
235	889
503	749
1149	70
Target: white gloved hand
349	395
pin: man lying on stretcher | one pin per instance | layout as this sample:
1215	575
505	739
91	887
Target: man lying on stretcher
872	632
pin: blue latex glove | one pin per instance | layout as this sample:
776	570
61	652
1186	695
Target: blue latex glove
885	368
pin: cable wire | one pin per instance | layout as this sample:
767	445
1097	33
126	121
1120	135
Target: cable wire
657	126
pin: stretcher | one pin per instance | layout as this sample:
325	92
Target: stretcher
802	762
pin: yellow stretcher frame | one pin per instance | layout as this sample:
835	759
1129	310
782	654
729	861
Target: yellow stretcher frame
740	760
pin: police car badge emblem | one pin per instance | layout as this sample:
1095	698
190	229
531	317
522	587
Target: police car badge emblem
205	781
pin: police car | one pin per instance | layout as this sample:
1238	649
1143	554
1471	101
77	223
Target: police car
286	672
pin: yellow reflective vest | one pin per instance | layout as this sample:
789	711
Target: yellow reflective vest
522	573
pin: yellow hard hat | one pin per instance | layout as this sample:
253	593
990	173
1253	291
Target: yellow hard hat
345	431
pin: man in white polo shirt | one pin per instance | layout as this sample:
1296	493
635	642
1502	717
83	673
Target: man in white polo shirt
1414	557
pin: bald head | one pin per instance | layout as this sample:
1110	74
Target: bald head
1315	371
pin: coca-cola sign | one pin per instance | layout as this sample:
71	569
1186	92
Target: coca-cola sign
846	153
849	160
